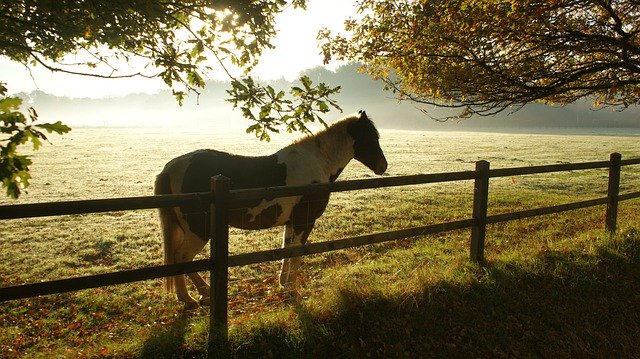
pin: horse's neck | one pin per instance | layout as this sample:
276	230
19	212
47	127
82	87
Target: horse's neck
333	149
337	150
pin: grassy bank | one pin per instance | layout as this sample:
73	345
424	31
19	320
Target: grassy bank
562	302
553	286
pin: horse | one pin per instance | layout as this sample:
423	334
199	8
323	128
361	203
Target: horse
316	158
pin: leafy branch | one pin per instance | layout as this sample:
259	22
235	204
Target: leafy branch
271	109
486	57
19	130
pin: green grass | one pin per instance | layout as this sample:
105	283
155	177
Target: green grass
553	286
566	300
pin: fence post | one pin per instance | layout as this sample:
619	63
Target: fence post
613	192
220	256
480	201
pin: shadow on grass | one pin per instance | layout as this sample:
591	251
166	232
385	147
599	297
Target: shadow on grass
169	341
560	304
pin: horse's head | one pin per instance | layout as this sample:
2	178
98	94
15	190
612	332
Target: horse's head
367	146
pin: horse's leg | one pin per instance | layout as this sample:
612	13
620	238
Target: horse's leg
173	245
185	252
293	236
179	281
202	286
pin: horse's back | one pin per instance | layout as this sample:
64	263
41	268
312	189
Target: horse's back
192	172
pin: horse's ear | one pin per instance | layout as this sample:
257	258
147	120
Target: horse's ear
362	114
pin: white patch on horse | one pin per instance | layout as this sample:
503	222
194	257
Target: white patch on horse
178	167
286	205
301	171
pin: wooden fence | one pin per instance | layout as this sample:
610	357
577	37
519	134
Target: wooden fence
221	200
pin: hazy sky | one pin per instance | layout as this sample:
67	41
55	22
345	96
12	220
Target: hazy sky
295	50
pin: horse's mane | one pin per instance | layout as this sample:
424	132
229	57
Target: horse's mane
335	127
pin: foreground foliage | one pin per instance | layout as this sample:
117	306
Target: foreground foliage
17	129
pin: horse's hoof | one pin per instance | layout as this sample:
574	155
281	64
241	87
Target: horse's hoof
205	301
293	296
190	305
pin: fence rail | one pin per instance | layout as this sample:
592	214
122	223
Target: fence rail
221	199
32	210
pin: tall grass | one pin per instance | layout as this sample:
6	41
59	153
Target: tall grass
553	286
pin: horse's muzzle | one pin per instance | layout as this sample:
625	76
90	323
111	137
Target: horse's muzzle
381	166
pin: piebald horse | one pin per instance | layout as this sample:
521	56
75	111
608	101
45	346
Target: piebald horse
318	158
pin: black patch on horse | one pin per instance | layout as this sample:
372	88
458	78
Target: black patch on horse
366	147
243	171
365	134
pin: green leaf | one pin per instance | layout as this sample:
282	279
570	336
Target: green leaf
306	81
9	104
56	127
33	137
179	95
323	106
297	91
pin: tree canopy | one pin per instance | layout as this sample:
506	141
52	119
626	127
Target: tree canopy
488	56
179	41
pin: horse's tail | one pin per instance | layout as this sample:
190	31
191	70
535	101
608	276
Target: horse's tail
169	226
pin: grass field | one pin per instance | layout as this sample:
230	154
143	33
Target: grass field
554	286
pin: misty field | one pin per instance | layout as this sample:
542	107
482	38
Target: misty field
385	288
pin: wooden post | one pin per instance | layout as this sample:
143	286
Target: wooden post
480	202
220	256
613	192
